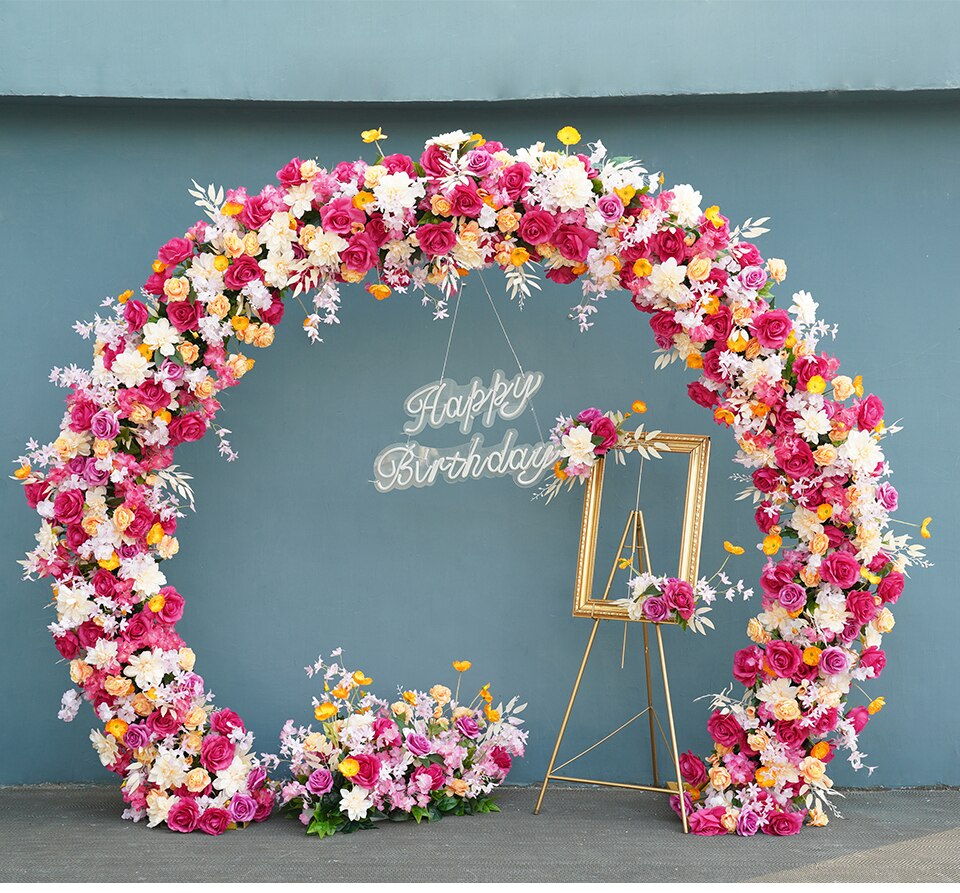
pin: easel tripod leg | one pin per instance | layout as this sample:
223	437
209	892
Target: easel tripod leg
650	714
673	733
566	717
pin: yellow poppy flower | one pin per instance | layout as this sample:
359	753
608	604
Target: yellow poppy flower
876	705
568	135
461	666
371	136
325	711
732	549
924	528
639	407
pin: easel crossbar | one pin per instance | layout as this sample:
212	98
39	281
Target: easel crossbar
612	784
583	753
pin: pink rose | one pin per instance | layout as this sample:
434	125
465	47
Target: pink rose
264	798
783	658
428	778
692	769
468	727
175	251
670	243
68	506
753	278
748	823
360	254
257	211
187	427
772	328
783	824
610	208
435	161
82	412
217	753
400	164
702	395
766	480
163	724
655	609
419	745
574	241
465	201
874	658
183	315
861	604
792	597
214	820
340	215
794	456
515	181
841	569
35	492
537	227
183	815
869	413
746	665
436	239
561	275
68	645
859	717
243	270
274	313
289	174
890	587
501	759
136	314
369	772
153	395
665	326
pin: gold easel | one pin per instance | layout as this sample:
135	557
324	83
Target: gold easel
639	550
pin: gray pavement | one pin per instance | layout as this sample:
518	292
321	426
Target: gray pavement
74	833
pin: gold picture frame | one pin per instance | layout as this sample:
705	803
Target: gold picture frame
697	449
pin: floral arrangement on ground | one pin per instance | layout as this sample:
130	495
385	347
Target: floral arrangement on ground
109	494
424	756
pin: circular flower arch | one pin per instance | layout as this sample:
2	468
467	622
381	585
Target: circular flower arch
108	491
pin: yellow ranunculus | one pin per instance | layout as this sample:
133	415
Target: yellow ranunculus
568	135
325	711
816	384
23	472
361	678
371	136
639	407
713	215
771	544
811	655
111	563
124	296
231	209
491	714
349	767
156	603
116	727
642	267
519	256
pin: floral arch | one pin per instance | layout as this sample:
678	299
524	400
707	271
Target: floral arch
107	490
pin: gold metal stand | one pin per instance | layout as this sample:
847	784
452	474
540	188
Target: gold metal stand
635	528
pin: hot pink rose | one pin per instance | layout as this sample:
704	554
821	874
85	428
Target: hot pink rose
501	758
678	594
68	506
274	313
861	604
183	816
772	328
665	326
841	569
340	215
707	822
369	772
783	658
766	480
605	429
68	645
435	161
35	492
792	597
702	395
465	201
537	227
890	587
874	658
783	824
136	314
670	243
692	769
794	456
243	270
257	210
746	665
869	413
400	164
859	717
360	254
515	181
175	251
216	753
725	730
184	316
574	241
163	724
187	427
289	174
225	721
436	239
214	820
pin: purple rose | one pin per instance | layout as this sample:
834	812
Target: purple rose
104	425
841	569
753	278
468	727
655	609
783	824
792	597
243	807
216	753
183	815
480	163
172	371
320	782
96	477
610	208
136	736
590	415
833	661
748	823
419	745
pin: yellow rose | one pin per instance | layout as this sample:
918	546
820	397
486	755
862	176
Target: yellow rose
192	742
117	686
507	221
264	336
842	387
728	820
314	742
206	388
102	448
719	777
399	708
457	787
825	455
140	414
817	818
699	268
884	621
757	741
373	175
756	632
186	658
812	769
441	694
787	710
197	780
169	546
79	672
196	717
440	206
177	288
251	245
142	705
777	269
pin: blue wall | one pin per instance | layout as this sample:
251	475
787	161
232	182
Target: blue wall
293	552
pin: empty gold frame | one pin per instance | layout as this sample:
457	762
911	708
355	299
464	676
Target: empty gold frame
697	449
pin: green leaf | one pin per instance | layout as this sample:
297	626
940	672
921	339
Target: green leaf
419	813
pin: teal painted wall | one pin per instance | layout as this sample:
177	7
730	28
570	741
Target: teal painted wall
293	552
439	50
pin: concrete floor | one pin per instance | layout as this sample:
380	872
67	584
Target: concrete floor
74	833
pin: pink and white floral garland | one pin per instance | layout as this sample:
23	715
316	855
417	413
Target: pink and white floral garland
109	495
